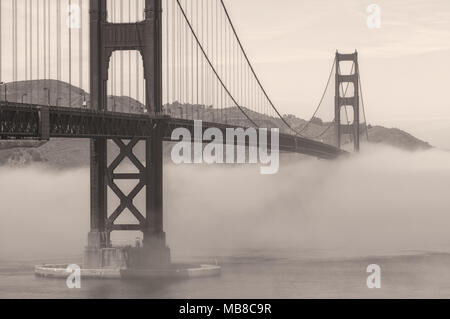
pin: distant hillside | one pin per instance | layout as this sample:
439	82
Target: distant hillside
64	153
61	93
397	138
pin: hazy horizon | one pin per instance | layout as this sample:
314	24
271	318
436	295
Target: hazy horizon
306	207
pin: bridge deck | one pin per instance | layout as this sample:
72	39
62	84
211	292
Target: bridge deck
22	121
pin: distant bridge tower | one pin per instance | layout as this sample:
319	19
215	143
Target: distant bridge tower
342	80
105	38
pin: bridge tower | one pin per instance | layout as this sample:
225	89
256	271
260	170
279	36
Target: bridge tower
105	38
342	80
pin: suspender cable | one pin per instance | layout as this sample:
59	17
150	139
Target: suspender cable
15	44
49	39
214	53
185	69
175	54
238	89
235	72
174	70
180	61
202	58
363	107
15	48
192	64
182	56
144	87
180	52
31	50
70	56
230	61
196	18
121	58
167	53
113	63
227	55
138	97
211	65
184	62
145	94
216	57
14	39
129	62
38	74
58	50
188	69
221	60
47	49
26	41
241	77
45	41
1	47
208	90
80	52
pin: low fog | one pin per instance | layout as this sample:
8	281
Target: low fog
381	201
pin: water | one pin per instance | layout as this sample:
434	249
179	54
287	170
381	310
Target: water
256	274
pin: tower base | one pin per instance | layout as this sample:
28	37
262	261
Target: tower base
153	255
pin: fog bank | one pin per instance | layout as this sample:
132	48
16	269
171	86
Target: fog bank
382	200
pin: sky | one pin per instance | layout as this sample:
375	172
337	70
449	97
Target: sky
404	64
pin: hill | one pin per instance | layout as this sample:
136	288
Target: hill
65	153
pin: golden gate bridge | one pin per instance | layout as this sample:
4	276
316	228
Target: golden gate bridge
148	68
